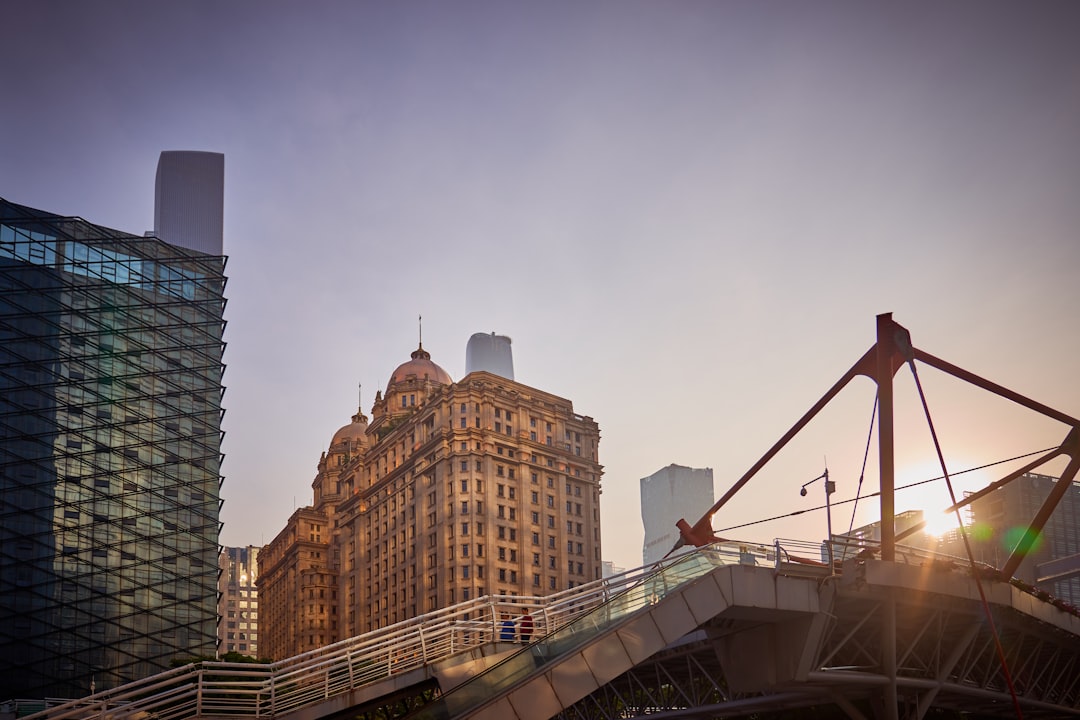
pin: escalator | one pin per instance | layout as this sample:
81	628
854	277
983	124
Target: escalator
554	672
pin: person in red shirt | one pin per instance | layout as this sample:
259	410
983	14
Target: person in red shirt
525	628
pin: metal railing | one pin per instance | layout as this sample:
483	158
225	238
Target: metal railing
496	680
219	689
790	553
212	689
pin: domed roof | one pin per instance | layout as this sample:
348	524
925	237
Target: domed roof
422	367
353	431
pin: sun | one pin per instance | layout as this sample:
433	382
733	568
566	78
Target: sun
939	523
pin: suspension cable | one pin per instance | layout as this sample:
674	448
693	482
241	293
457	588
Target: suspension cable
862	471
967	545
836	503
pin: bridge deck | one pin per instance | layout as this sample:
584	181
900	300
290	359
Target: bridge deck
777	633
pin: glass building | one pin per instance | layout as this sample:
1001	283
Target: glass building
110	412
668	495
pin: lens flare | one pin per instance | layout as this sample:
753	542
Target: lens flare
939	524
1023	538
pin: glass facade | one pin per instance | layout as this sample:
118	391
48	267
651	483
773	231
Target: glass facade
110	413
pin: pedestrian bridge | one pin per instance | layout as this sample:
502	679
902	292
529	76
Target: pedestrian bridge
730	629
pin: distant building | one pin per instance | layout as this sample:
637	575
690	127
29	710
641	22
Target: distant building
1001	518
994	525
610	569
238	601
491	353
849	544
298	587
110	449
453	491
667	496
189	207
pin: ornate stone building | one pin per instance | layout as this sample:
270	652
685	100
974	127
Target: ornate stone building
451	492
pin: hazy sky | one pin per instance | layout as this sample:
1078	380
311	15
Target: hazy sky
685	214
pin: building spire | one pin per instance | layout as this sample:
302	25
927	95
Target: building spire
360	416
420	352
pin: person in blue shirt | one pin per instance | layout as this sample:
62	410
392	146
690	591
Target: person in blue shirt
506	634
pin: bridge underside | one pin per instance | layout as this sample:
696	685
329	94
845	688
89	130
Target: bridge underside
913	638
703	638
883	640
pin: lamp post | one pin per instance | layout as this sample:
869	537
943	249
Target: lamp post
830	488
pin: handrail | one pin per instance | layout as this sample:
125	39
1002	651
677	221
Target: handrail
494	681
210	689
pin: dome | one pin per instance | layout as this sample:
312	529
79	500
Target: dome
422	367
354	431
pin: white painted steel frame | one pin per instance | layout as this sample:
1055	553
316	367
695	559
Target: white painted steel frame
235	690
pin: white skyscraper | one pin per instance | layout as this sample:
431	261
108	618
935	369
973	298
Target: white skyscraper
189	200
490	352
668	495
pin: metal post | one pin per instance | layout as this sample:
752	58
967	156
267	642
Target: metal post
886	348
830	486
888	652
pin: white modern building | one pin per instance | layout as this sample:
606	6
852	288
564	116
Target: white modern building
668	495
491	353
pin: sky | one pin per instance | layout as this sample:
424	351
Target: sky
686	215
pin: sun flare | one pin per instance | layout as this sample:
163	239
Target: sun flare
939	523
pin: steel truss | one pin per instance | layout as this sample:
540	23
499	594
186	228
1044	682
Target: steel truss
945	655
892	351
945	661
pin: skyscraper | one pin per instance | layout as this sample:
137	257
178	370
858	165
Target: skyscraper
110	413
668	495
238	601
189	200
451	492
491	353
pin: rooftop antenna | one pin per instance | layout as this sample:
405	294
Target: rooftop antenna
420	322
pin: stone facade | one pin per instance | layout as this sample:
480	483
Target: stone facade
453	491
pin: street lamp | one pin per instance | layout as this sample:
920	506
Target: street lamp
830	488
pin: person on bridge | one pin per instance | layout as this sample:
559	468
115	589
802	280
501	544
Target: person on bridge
506	634
525	628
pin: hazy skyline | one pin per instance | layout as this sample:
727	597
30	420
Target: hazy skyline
685	214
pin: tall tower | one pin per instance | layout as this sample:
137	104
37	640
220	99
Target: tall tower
189	200
667	495
491	353
110	453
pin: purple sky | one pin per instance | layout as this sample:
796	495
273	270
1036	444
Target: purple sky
686	214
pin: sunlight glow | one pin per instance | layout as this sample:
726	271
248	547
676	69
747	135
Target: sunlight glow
938	523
